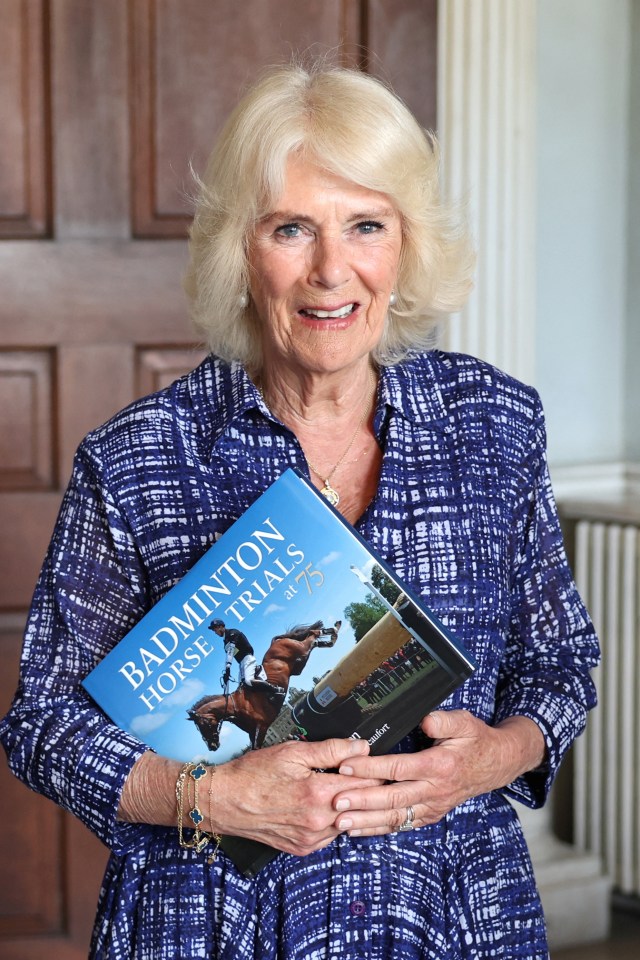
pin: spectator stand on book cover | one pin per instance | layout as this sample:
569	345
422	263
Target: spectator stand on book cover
322	259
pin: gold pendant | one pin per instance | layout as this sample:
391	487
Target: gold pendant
330	494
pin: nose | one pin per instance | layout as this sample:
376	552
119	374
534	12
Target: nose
330	266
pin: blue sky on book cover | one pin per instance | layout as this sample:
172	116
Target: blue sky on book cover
289	560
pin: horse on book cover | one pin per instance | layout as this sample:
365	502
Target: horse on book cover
253	709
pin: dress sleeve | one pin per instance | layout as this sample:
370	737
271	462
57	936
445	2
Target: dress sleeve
552	646
90	592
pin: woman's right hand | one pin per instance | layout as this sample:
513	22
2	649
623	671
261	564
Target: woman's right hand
280	795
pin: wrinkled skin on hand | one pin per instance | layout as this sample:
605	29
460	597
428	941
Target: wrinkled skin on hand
298	797
281	796
468	758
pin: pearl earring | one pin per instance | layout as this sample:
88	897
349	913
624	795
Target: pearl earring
243	301
392	299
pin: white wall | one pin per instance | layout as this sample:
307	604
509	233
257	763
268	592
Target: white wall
632	410
583	188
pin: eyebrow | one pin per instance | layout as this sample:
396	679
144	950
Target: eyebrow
290	216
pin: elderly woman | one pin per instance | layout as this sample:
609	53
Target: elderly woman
320	257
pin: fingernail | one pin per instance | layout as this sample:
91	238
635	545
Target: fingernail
343	804
355	833
345	823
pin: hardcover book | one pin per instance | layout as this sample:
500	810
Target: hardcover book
288	627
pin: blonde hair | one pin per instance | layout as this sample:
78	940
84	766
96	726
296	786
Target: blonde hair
356	128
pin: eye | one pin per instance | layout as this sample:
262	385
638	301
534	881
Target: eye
369	226
289	230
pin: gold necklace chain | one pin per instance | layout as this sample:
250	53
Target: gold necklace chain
327	491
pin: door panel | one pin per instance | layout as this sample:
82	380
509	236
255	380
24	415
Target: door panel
104	107
24	156
30	836
190	60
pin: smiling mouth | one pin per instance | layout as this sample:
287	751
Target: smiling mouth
338	314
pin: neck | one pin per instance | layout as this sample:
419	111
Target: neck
335	431
321	401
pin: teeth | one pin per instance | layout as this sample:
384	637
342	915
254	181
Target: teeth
332	314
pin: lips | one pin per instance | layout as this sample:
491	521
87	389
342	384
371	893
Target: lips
340	313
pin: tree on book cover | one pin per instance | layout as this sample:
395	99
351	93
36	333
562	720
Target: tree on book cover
288	627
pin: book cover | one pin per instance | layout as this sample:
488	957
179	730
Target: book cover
288	627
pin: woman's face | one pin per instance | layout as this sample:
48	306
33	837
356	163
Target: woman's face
323	263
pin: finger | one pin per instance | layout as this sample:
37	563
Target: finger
374	823
392	796
447	724
330	754
300	846
391	766
374	828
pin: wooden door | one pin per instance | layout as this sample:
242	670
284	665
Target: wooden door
103	106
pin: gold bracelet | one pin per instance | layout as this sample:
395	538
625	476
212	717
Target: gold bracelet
179	802
192	773
214	836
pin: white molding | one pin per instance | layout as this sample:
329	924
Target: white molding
486	125
612	481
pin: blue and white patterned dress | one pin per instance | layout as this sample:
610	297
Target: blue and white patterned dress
465	515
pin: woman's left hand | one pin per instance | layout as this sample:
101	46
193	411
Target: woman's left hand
468	758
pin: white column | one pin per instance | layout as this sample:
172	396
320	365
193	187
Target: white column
486	126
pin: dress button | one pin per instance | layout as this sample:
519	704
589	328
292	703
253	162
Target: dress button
358	908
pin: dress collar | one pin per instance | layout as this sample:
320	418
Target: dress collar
413	388
221	393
